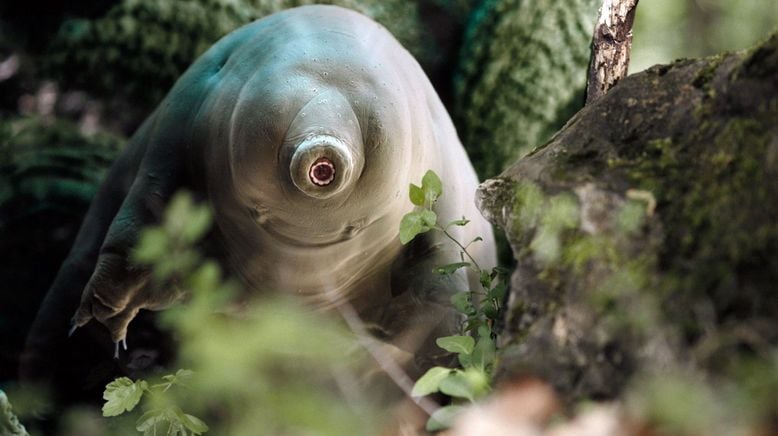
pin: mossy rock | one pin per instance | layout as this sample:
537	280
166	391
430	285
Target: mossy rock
646	234
140	47
49	172
521	76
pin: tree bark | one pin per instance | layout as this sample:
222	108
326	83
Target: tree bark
611	46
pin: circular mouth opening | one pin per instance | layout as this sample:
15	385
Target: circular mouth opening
322	172
323	165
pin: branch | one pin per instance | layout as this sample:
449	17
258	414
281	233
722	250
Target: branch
611	46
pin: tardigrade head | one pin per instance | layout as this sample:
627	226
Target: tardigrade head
314	117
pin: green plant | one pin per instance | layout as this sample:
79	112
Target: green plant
253	362
168	250
123	394
475	346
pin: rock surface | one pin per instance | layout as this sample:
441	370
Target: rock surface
646	230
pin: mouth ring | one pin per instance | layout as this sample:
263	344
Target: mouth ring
322	172
323	165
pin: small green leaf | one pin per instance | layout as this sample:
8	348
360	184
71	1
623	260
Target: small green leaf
462	222
179	378
486	279
193	423
180	262
415	223
451	268
416	195
149	420
430	381
478	380
177	212
429	219
490	311
197	223
410	226
461	302
184	374
497	292
206	278
456	344
484	353
153	245
122	395
473	325
457	385
484	331
432	186
465	360
443	418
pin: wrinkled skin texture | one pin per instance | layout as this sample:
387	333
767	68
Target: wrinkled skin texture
241	128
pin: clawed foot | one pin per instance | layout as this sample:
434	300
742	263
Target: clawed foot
122	341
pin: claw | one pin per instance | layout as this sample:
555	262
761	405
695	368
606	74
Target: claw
123	343
73	327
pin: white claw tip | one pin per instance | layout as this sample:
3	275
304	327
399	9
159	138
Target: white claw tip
124	344
72	330
116	350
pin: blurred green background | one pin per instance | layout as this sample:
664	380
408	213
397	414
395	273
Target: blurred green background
666	30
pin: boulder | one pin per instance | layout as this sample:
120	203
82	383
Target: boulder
646	231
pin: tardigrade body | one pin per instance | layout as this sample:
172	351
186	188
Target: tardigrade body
303	130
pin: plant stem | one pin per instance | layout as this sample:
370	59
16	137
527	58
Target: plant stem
464	250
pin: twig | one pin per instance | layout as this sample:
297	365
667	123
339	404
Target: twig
384	360
611	46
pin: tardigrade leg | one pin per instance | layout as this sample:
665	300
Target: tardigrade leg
97	280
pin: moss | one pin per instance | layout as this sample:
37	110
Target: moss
521	76
706	74
717	174
674	172
49	172
139	47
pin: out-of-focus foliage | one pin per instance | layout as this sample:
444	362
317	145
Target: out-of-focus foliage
31	25
686	403
42	158
49	172
521	76
140	47
670	29
258	367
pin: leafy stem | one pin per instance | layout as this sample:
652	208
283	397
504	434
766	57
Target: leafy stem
123	395
475	347
462	247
